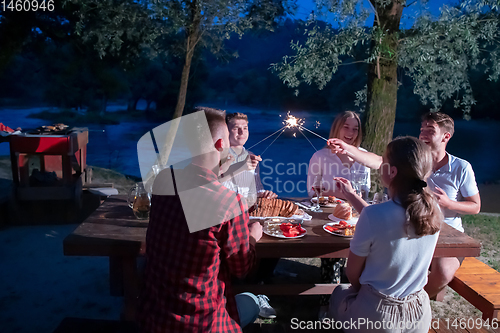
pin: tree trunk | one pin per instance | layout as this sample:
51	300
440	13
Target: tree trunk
193	37
383	85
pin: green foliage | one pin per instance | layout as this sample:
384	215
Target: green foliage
438	54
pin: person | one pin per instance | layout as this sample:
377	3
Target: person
392	247
455	188
246	182
336	159
244	178
187	275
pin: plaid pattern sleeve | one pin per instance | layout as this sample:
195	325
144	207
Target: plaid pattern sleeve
187	276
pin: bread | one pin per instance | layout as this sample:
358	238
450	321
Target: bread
343	211
274	207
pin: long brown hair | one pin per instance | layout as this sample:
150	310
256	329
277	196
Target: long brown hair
340	121
413	161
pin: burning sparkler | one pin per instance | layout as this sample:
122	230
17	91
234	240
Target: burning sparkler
291	122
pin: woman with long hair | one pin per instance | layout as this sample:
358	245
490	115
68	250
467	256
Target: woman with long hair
338	159
392	246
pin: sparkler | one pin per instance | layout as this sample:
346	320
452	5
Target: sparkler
319	136
291	122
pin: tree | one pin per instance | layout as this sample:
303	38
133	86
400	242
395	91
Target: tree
438	54
207	23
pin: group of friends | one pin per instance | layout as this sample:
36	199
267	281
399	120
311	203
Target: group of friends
390	267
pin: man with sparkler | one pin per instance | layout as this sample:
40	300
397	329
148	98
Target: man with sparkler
247	182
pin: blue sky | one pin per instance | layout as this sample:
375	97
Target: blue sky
305	7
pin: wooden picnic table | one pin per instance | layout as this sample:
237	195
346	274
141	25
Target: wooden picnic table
113	231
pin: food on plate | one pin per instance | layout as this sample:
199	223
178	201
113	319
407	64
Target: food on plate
286	229
322	200
343	211
291	229
342	228
274	207
331	199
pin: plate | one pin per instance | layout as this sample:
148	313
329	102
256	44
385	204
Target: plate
352	221
333	233
328	204
279	233
303	216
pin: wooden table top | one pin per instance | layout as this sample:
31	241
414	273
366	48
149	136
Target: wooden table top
112	230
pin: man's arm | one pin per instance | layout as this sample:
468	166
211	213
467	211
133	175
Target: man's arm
469	205
249	163
238	247
355	266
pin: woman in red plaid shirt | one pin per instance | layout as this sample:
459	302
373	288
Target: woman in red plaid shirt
187	276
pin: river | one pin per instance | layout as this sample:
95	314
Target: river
284	165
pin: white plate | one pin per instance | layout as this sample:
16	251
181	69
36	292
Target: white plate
352	221
304	216
328	204
333	233
264	230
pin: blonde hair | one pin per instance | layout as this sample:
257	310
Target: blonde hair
413	161
340	121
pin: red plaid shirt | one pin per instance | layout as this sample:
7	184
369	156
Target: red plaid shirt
187	277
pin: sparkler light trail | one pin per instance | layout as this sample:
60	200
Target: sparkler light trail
307	139
302	127
291	122
266	138
272	142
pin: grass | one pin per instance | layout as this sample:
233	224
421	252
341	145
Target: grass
485	228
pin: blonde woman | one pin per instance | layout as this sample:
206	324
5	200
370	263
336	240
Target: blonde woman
392	247
337	159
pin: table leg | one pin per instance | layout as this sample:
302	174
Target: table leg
130	288
116	276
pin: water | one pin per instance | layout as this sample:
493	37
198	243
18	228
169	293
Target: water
285	162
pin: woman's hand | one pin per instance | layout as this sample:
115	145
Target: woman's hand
343	185
338	146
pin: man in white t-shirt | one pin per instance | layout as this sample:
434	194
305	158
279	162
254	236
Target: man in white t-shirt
246	183
454	185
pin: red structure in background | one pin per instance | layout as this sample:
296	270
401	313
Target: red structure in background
64	154
5	128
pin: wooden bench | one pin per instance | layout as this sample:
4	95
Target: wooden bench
479	284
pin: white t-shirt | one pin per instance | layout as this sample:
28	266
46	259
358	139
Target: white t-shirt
324	166
396	265
247	183
457	179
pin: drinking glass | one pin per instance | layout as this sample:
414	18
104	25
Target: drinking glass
139	201
358	179
380	197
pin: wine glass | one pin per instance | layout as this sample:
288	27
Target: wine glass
318	190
